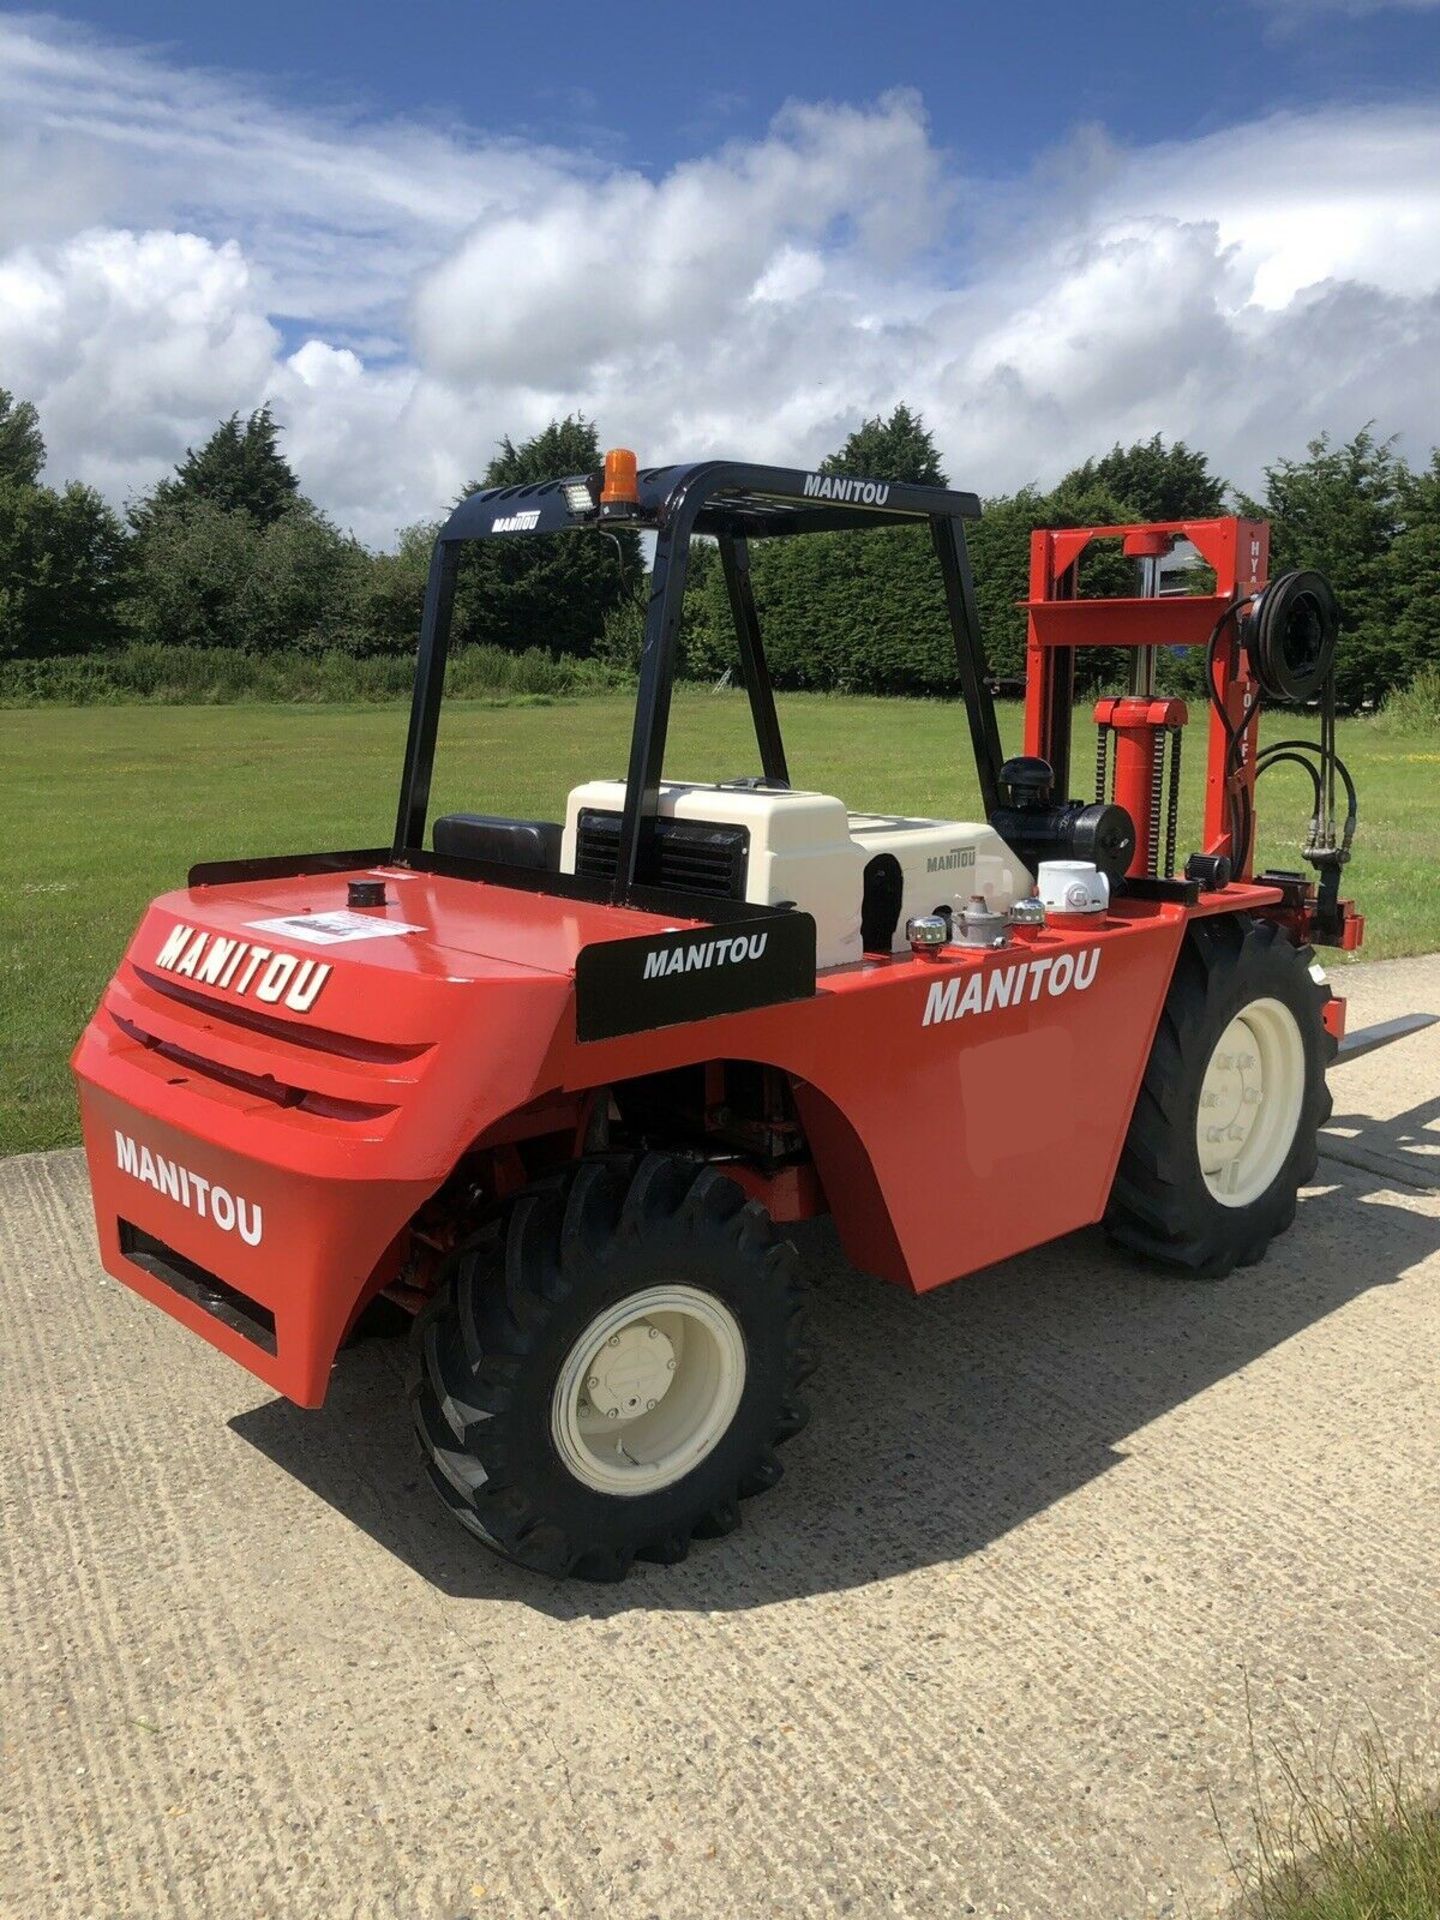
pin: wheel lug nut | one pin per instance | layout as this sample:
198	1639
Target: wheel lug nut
1214	1133
1251	1096
648	1405
1209	1099
593	1381
1235	1133
670	1366
614	1340
611	1413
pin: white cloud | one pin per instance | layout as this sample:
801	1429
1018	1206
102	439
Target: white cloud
594	272
1343	194
126	339
1293	12
175	246
341	210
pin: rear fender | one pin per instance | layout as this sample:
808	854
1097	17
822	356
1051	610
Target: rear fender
843	1183
853	1192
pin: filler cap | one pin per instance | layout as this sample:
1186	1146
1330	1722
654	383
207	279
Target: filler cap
927	934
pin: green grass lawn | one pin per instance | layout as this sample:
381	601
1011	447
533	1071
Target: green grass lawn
108	806
1333	1846
1380	1865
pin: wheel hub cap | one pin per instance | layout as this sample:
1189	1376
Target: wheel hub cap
632	1371
648	1390
1234	1089
1250	1102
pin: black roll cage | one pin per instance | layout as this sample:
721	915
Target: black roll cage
735	503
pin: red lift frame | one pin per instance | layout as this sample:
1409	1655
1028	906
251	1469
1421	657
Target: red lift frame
1059	623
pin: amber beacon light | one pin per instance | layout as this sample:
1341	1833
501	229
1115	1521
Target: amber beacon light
621	490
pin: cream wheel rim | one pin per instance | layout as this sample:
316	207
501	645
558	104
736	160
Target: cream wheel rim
1250	1102
648	1390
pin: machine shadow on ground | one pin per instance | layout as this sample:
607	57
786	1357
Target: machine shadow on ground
1407	1147
938	1424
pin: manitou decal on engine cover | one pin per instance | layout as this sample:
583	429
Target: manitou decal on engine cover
692	973
1011	986
863	493
949	862
204	1197
240	966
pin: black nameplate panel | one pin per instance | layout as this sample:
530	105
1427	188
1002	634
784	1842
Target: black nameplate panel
669	979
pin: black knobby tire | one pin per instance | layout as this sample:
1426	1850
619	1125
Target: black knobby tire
492	1346
1161	1204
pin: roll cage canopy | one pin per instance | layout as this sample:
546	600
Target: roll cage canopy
733	503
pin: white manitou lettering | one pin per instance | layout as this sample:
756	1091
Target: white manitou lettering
830	486
203	1197
170	953
707	953
216	960
1012	986
279	979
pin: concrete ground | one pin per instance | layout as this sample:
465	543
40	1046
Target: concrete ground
1066	1548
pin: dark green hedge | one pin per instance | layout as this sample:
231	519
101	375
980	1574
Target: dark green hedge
865	612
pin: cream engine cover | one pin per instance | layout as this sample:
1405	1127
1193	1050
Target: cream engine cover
944	863
805	847
800	849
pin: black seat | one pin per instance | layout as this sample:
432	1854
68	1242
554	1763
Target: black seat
489	836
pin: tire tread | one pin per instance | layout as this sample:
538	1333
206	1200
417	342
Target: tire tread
471	1346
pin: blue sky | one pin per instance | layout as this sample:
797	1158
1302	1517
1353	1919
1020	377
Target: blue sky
654	86
413	230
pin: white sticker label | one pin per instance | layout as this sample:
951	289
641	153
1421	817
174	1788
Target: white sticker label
332	929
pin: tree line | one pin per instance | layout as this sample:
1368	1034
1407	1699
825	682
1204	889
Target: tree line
228	553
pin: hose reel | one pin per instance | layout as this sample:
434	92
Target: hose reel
1291	634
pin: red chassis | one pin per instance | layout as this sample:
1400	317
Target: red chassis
947	1130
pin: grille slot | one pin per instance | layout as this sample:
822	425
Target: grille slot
237	1053
279	1093
295	1033
691	856
191	1281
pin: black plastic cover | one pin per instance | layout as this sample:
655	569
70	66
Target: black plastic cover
670	979
490	836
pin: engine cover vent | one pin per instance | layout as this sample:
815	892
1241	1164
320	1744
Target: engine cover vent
691	856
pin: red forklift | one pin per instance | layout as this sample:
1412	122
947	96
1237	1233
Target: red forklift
557	1087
